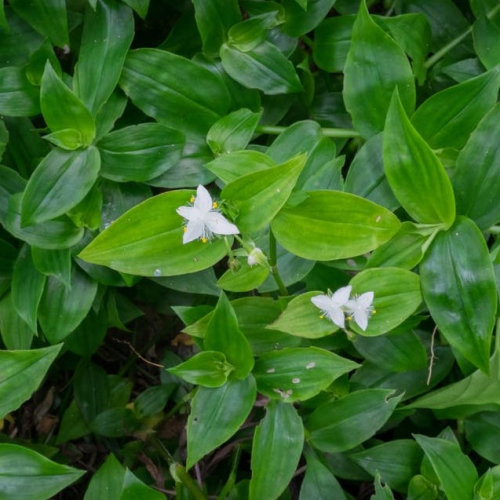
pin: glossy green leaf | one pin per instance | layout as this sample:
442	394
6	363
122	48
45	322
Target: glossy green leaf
10	183
297	374
107	35
351	420
140	6
166	95
264	68
382	492
115	423
397	296
62	110
55	263
422	489
486	31
134	488
153	400
51	235
279	434
483	433
15	332
458	285
375	83
92	390
18	97
153	249
332	39
48	17
414	172
303	319
140	152
63	309
331	225
298	22
454	469
259	196
249	33
207	368
447	118
319	482
224	335
39	478
107	481
60	182
244	279
477	174
22	373
216	414
214	18
232	132
27	287
396	473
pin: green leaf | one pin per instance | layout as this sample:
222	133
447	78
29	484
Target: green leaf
60	182
133	488
396	473
166	95
351	420
366	81
477	174
214	18
297	374
63	309
37	477
131	246
51	235
8	255
414	172
422	489
27	288
485	32
232	132
303	319
22	373
107	34
382	492
216	414
244	279
62	110
224	335
455	471
447	118
153	400
14	330
259	196
55	263
332	39
319	482
279	434
264	68
397	296
458	285
115	423
10	183
107	481
207	368
483	433
298	22
140	152
338	226
48	17
18	97
89	334
92	390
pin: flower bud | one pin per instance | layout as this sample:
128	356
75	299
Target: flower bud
256	256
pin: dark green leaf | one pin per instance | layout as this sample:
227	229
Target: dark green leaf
92	390
18	97
55	263
298	22
15	332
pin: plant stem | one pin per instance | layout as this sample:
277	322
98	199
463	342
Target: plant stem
232	475
189	483
179	405
344	133
493	230
273	264
442	52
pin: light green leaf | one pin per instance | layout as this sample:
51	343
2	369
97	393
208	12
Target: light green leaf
15	332
55	263
22	373
243	279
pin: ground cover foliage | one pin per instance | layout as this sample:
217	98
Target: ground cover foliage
248	249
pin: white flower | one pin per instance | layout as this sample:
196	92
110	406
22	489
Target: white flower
256	256
332	306
203	218
360	308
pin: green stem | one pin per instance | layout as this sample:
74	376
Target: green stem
228	248
344	133
442	52
179	405
493	230
189	483
232	476
273	260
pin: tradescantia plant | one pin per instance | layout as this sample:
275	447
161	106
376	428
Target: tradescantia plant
249	249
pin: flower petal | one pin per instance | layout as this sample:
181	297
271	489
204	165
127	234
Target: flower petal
365	300
194	231
203	200
323	302
341	296
189	213
361	318
218	224
337	316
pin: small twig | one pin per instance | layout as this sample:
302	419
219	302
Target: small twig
198	476
431	361
138	354
300	471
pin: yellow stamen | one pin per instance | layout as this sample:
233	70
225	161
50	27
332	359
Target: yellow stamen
321	316
349	318
215	204
192	199
184	228
374	312
204	240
